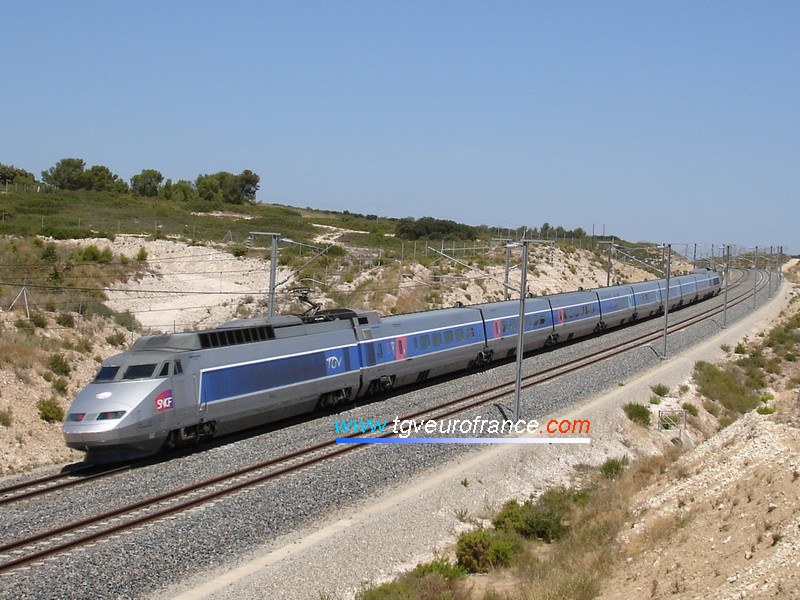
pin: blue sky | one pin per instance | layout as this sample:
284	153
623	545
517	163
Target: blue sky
665	121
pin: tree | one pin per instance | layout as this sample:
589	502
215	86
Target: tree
100	179
430	228
248	185
578	232
67	174
227	187
545	229
11	174
183	191
208	188
147	183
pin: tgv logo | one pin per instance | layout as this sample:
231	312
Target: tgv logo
334	362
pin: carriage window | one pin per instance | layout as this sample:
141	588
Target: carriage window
448	337
437	339
379	348
164	370
178	368
459	335
470	333
425	341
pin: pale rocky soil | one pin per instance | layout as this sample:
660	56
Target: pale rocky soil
30	442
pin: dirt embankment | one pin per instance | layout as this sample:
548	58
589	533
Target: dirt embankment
727	525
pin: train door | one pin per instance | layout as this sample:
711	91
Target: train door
186	386
178	384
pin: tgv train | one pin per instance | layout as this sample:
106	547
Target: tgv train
174	388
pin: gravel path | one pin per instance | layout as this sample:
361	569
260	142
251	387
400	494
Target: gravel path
354	519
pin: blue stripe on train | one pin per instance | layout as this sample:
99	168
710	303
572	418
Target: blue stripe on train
241	380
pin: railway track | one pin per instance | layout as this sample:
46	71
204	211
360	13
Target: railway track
57	481
46	544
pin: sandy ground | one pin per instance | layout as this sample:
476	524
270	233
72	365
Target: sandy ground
188	287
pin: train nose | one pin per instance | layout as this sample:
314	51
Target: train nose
102	410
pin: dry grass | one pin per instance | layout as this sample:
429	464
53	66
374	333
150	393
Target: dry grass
575	566
22	351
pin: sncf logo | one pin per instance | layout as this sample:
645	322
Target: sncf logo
334	362
164	401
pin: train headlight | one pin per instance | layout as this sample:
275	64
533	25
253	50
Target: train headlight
111	415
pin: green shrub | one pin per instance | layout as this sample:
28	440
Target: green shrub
542	519
116	339
5	417
50	410
725	348
765	410
613	467
690	408
58	364
84	345
238	250
93	254
683	389
38	320
655	399
60	385
49	253
726	386
106	256
434	580
711	408
637	413
90	253
24	326
478	551
660	389
391	590
65	320
441	566
740	348
126	319
141	256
